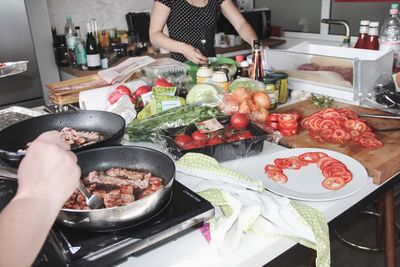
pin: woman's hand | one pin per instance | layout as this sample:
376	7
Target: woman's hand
194	54
49	170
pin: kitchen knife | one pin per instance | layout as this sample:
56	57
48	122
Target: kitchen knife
380	116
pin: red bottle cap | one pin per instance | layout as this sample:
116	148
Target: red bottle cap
239	58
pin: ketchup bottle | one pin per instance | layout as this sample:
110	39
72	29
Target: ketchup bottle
363	34
372	41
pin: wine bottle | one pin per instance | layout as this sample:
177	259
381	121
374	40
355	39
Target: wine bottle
257	72
92	53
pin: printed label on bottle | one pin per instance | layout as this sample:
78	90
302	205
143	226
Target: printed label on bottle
93	60
71	42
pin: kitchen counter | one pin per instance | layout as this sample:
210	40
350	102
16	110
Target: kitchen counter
193	250
70	73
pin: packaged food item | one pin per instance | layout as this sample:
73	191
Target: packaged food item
204	74
271	91
281	85
220	79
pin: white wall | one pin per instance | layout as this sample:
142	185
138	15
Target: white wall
108	13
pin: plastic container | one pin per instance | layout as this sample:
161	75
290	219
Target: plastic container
221	152
389	37
343	73
166	67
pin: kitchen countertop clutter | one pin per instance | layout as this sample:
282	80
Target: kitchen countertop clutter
226	127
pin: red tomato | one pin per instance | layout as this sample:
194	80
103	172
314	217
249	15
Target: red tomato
244	135
277	176
182	140
287	119
189	146
123	90
114	97
142	90
163	83
282	163
273	117
239	121
215	140
229	131
272	124
199	136
286	132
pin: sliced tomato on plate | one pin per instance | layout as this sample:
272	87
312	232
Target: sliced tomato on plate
282	163
333	183
270	167
277	176
295	163
306	157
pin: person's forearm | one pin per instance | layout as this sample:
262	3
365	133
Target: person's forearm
160	40
22	234
247	33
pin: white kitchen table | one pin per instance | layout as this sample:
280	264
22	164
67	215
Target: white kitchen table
193	250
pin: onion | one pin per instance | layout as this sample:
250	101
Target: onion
242	93
229	104
261	99
259	116
244	107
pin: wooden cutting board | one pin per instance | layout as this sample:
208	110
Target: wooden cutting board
381	164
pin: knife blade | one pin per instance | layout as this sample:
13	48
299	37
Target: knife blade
380	116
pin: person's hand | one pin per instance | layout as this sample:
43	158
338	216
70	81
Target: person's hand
49	170
194	55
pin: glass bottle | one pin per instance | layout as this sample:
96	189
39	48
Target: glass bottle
363	34
390	34
372	40
80	50
257	65
70	36
92	53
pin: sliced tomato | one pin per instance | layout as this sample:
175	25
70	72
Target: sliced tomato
306	157
349	124
315	123
282	163
370	142
305	123
340	120
277	176
327	124
322	159
272	124
329	113
327	162
295	163
334	170
270	167
347	176
333	183
348	113
287	119
273	117
326	134
360	126
286	132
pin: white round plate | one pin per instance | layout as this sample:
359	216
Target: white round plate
306	183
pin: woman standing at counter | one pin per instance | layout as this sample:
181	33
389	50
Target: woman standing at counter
191	25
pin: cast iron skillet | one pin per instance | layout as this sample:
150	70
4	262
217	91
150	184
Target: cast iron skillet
131	157
110	125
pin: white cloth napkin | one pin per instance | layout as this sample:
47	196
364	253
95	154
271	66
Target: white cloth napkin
240	210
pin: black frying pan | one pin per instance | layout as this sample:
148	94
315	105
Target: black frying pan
110	125
130	157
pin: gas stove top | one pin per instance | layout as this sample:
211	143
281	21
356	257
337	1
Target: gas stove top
71	247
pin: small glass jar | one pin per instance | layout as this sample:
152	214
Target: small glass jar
204	74
270	86
220	79
281	86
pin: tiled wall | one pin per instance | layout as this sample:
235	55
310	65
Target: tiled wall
108	13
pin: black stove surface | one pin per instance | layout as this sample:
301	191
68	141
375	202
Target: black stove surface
72	247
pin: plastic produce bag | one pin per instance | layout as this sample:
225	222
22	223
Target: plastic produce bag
124	108
247	83
148	128
383	95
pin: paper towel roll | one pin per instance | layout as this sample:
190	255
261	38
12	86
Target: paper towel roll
95	99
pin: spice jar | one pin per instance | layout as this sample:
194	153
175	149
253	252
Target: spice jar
271	91
281	85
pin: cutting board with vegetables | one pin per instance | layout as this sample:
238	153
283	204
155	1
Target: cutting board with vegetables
381	164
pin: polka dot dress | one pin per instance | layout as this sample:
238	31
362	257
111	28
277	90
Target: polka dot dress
193	25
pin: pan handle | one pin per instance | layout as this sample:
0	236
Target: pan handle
11	156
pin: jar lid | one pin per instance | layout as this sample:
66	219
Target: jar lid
278	75
270	80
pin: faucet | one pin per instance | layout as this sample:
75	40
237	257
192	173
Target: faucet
346	40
